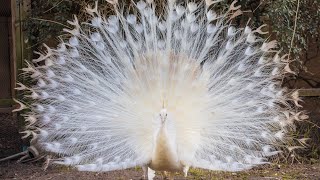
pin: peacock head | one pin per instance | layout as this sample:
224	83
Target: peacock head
163	115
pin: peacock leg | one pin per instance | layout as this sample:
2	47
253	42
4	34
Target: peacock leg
185	171
165	174
151	174
145	172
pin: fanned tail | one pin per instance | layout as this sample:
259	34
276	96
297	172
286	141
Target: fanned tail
98	93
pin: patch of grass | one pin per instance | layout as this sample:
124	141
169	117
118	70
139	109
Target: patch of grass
195	172
137	168
64	168
198	173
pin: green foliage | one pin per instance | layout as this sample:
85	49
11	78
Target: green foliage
48	18
282	17
41	26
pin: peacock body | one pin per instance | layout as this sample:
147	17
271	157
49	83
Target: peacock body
185	89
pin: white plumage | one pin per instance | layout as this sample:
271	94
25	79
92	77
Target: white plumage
186	89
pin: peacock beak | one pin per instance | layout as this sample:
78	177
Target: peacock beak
163	116
163	119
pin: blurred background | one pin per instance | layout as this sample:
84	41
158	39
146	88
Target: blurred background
26	24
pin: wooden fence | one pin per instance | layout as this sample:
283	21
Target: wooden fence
11	59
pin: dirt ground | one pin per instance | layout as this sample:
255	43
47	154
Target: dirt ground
34	171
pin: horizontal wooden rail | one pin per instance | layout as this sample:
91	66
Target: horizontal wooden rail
7	102
309	92
6	110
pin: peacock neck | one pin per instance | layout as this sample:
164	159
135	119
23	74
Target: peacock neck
164	154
